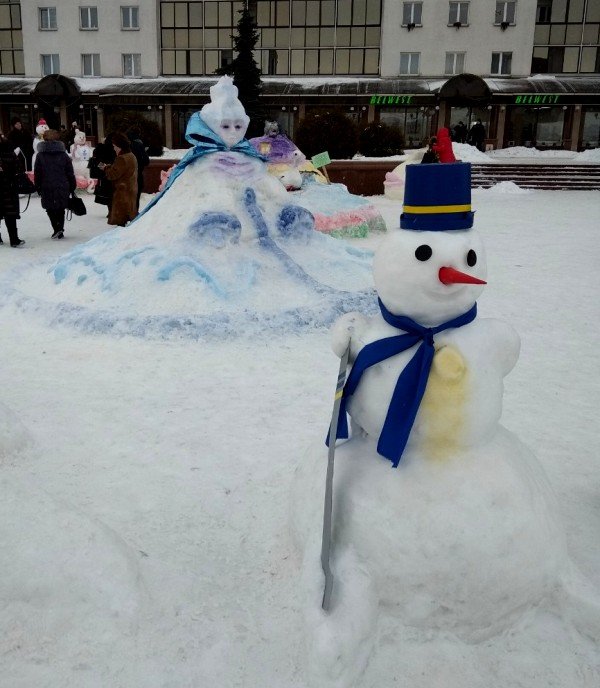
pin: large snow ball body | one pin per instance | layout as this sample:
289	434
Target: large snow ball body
466	545
222	252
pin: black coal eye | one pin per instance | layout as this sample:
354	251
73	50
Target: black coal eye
423	253
471	258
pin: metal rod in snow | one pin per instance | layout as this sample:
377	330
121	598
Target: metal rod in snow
326	543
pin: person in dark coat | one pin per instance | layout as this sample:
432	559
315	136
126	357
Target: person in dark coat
477	135
20	137
9	195
70	135
460	132
123	174
105	153
54	180
139	150
430	154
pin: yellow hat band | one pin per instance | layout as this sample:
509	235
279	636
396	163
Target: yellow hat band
431	209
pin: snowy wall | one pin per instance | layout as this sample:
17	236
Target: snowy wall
478	39
70	42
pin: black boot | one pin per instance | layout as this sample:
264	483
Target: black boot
13	232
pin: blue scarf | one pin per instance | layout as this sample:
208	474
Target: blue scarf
411	383
204	141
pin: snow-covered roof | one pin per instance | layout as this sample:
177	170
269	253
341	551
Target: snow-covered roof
307	86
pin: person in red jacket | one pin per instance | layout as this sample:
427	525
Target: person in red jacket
443	147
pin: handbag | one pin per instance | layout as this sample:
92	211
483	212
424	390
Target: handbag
76	205
25	186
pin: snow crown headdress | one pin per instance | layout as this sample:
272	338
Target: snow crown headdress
224	104
437	197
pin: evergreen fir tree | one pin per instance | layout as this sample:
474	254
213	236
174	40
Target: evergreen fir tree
245	71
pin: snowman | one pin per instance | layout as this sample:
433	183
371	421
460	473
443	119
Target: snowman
443	521
41	128
81	153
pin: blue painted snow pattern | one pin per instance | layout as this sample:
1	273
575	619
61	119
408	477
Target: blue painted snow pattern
166	271
184	326
294	227
216	229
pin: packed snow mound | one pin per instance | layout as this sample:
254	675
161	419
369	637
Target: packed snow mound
220	253
591	155
14	437
338	212
525	152
70	585
467	153
508	188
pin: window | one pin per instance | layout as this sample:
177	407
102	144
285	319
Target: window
132	64
11	39
501	63
50	65
226	58
544	10
130	18
47	18
459	12
411	13
455	63
505	12
88	18
556	58
409	63
90	64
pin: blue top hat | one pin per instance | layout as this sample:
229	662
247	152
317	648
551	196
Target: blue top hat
437	197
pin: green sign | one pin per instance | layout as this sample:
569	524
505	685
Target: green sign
537	99
321	159
391	100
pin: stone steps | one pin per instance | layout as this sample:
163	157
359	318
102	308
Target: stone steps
546	176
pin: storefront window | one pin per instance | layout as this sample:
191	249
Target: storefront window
413	122
550	126
590	137
541	127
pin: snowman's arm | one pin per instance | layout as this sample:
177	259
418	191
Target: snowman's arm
345	330
505	342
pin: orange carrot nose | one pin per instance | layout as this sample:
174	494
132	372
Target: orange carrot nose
451	276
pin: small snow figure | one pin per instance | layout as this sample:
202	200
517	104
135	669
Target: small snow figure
81	153
462	538
285	158
42	126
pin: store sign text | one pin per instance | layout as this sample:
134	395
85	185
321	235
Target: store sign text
391	100
537	100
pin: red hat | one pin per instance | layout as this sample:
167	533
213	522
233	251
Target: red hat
42	121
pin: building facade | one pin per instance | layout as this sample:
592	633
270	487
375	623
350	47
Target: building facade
527	68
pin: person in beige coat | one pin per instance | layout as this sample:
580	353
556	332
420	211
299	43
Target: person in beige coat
123	174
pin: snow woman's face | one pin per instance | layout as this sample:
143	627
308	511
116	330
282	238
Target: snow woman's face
231	130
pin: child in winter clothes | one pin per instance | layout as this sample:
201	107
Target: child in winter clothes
430	154
443	147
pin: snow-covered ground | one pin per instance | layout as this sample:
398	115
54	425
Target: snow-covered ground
145	484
